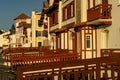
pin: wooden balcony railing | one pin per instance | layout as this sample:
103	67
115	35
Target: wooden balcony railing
101	11
26	51
29	60
104	68
110	52
36	55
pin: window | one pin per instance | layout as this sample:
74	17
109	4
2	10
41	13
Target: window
87	41
68	11
30	34
39	44
38	33
54	18
40	23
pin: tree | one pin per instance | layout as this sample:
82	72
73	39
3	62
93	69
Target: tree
12	29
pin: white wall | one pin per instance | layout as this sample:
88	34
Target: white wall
113	30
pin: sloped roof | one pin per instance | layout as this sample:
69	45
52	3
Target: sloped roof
22	16
47	8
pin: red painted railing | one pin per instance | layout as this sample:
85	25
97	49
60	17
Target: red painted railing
27	60
35	55
110	52
101	11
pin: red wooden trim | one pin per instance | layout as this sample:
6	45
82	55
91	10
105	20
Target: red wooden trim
60	40
101	64
104	1
57	42
94	3
81	24
104	9
68	8
75	42
64	40
72	44
67	40
51	22
96	40
90	31
84	43
68	26
88	4
92	43
81	42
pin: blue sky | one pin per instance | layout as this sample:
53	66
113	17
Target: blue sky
10	9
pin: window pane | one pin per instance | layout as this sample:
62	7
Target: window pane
39	44
88	41
38	33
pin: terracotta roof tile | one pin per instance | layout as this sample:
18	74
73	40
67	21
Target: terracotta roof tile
22	16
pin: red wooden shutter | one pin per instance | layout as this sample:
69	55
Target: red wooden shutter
56	17
51	22
69	11
88	4
63	14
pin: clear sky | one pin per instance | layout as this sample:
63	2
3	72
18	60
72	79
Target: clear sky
10	9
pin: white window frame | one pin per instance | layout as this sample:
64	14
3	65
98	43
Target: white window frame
90	44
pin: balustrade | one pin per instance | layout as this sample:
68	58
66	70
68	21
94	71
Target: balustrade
34	55
101	11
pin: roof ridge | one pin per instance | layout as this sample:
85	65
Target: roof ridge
22	16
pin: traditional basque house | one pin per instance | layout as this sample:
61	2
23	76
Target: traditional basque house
44	21
23	29
74	28
61	16
36	33
79	30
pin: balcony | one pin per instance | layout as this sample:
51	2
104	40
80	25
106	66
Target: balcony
110	52
99	15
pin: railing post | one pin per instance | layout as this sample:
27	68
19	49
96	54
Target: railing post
98	71
19	74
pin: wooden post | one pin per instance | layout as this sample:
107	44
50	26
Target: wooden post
83	75
112	73
19	74
60	74
98	71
